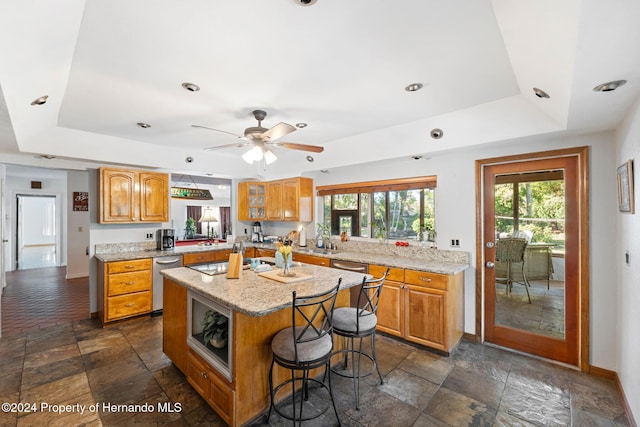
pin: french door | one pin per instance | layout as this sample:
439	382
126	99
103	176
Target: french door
536	300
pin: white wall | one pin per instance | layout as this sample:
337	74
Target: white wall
77	227
628	277
455	217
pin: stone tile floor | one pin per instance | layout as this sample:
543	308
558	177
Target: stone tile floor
80	363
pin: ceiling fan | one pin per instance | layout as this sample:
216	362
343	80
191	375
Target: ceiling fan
263	140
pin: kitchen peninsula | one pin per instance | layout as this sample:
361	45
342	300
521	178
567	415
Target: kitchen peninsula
233	380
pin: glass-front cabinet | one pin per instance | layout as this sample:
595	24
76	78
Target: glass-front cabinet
252	200
210	332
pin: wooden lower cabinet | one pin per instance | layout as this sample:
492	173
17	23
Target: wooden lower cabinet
206	257
124	289
421	307
262	252
244	399
215	390
174	323
311	259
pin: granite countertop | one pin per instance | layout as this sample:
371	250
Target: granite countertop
434	264
255	295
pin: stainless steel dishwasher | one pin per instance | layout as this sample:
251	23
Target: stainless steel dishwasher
160	263
357	267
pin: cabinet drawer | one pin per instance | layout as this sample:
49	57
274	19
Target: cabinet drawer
128	266
223	255
128	305
125	283
395	274
199	258
423	278
260	252
310	259
198	375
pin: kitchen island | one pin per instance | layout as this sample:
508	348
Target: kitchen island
257	308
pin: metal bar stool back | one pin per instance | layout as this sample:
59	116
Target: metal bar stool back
306	345
359	322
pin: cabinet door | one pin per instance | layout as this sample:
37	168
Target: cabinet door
390	308
174	324
274	201
252	199
261	252
425	316
290	199
118	201
154	197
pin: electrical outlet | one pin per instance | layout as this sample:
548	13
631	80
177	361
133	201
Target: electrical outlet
455	243
149	236
626	258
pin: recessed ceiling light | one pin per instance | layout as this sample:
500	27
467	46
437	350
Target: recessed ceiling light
310	159
191	87
305	2
40	101
324	170
540	93
143	125
609	86
47	157
301	125
413	87
417	157
436	133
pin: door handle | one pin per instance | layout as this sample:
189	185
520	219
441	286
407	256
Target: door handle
490	264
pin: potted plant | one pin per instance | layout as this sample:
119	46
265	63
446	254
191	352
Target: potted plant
215	330
190	228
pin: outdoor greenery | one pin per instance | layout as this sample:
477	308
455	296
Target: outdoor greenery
406	214
541	210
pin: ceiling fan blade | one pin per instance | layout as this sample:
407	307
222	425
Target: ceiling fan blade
237	144
302	147
276	132
222	131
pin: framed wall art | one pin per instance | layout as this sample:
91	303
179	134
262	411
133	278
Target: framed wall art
625	187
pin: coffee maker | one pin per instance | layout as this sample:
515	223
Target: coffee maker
256	233
166	239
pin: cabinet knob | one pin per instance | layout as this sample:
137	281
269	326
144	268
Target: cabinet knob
132	304
130	283
129	267
204	375
425	279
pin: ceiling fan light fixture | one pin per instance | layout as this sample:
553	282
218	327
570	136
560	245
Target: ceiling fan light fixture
255	154
269	156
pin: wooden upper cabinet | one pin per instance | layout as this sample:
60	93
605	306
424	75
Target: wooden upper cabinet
128	196
275	209
154	197
284	200
252	198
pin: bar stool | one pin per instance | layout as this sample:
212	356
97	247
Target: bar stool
359	322
306	345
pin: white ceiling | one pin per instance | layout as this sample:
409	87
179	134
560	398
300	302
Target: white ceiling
340	66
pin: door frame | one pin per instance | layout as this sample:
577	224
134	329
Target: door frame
582	180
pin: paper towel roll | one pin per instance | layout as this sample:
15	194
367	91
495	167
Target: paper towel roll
302	238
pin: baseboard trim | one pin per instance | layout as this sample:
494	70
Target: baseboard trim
94	315
471	337
613	375
76	276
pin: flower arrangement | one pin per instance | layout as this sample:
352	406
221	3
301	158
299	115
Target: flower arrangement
285	250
